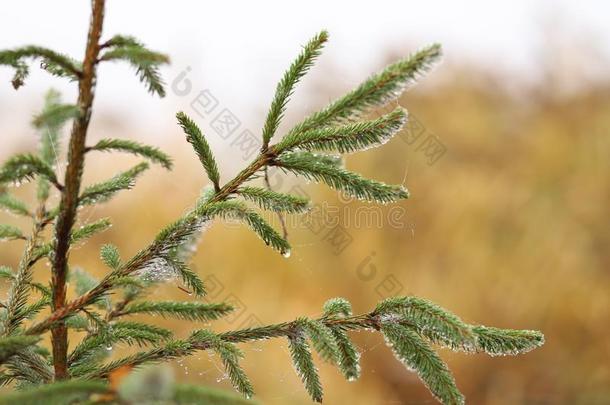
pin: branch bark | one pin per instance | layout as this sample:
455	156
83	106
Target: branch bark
69	198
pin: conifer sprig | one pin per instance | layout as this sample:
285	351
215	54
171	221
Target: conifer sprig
412	350
25	167
12	345
56	63
9	203
151	153
347	138
104	191
312	167
285	87
273	201
197	140
16	306
191	311
375	91
145	61
390	318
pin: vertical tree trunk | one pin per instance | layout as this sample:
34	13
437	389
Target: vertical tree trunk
69	198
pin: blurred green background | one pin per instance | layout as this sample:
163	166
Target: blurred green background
509	227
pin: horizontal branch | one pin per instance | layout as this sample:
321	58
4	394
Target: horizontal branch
188	346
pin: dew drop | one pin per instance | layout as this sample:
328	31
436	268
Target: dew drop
286	253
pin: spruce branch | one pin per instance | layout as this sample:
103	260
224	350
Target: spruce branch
312	167
303	362
197	140
30	366
390	317
151	153
375	91
190	279
110	256
230	356
11	345
285	87
25	167
10	232
54	62
238	210
273	201
191	311
16	304
88	230
145	61
414	352
322	339
49	123
121	40
96	345
347	138
502	342
13	205
54	116
104	191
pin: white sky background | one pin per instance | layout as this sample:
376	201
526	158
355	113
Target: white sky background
240	49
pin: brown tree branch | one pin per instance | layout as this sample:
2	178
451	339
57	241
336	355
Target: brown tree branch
69	197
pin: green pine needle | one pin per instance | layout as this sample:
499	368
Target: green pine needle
11	204
146	63
155	155
415	353
237	210
197	140
273	201
348	138
122	40
190	279
190	311
337	307
9	232
53	116
375	91
431	321
322	339
110	256
230	356
285	87
303	363
11	345
311	167
88	230
52	61
502	342
104	191
349	358
6	272
25	167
